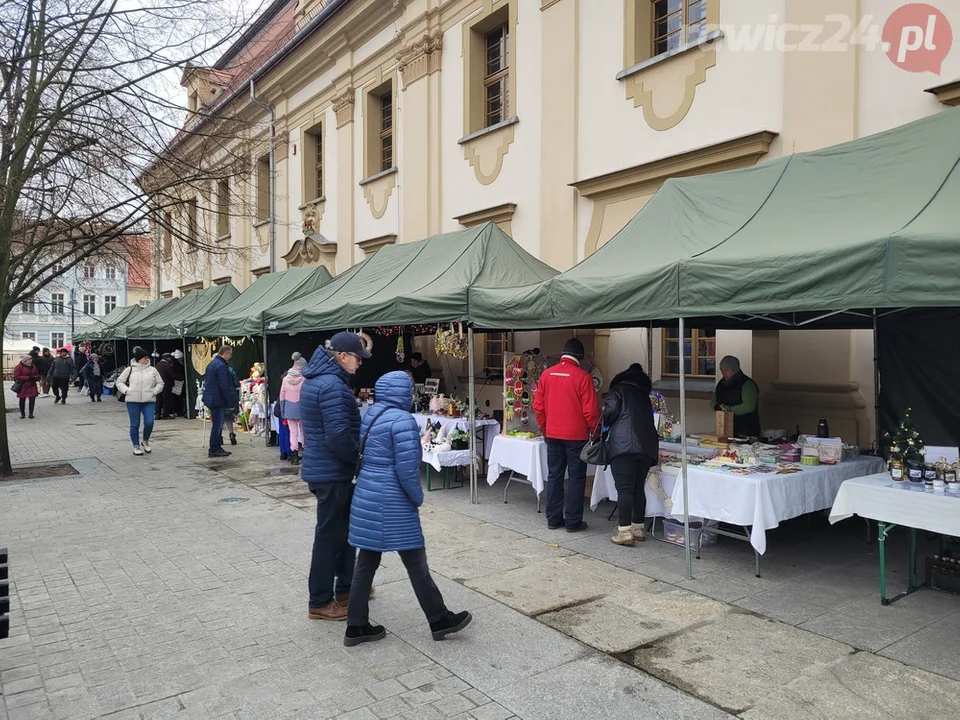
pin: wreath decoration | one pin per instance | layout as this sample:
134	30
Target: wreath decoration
452	342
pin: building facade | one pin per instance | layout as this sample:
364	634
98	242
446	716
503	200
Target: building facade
558	119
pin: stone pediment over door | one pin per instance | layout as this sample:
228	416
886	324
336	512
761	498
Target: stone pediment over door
311	251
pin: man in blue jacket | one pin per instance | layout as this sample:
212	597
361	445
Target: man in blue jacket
218	396
331	430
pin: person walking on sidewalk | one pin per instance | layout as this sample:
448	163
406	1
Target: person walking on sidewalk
567	410
27	374
384	516
62	371
633	448
290	405
43	364
140	383
92	375
331	427
218	396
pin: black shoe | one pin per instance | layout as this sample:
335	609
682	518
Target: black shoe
31	417
554	527
218	453
582	525
449	624
357	634
22	416
99	400
233	438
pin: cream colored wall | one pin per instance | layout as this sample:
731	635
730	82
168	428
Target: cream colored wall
518	181
742	94
890	96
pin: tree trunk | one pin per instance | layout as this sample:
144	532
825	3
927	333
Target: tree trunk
6	462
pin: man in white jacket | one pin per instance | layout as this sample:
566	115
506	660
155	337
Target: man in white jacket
140	383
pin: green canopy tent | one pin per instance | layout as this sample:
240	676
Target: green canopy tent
872	224
170	323
114	317
121	330
244	315
426	282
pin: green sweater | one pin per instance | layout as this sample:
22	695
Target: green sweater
749	395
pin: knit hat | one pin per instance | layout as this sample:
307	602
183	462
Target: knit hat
94	356
296	356
730	363
177	355
139	353
300	362
574	348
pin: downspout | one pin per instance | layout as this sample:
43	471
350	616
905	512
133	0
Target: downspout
273	174
158	233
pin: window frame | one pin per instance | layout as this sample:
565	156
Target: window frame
167	227
109	303
89	271
499	77
262	189
476	79
672	335
58	302
192	225
386	131
223	207
88	300
29	306
28	335
682	34
110	272
376	134
53	341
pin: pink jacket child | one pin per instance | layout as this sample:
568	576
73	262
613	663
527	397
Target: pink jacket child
290	402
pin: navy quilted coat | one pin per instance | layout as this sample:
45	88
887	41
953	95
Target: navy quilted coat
331	422
216	384
384	515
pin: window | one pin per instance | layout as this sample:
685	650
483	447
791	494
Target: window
56	303
223	207
192	228
109	303
57	339
496	75
263	188
494	346
313	163
699	353
490	48
379	119
90	304
28	336
676	22
56	268
28	306
89	272
144	303
167	236
111	273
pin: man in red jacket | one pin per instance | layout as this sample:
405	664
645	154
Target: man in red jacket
567	410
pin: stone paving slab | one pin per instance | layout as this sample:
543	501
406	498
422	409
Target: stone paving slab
736	660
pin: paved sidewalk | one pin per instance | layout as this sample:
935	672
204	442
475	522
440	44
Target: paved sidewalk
139	593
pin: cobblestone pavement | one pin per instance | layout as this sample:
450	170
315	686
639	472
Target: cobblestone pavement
138	591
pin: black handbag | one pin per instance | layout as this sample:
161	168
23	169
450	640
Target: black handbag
17	386
595	452
121	397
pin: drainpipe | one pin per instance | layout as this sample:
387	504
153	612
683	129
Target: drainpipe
273	175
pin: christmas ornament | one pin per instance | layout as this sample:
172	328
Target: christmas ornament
401	355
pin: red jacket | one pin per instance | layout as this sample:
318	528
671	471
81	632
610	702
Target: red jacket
566	402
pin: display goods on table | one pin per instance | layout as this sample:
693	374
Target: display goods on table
521	377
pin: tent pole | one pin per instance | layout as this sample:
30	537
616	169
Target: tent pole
683	453
266	395
876	384
474	494
186	382
650	347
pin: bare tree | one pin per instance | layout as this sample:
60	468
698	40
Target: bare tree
88	126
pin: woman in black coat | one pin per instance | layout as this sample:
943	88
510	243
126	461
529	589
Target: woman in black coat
633	447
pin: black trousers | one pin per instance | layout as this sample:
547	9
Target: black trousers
61	386
23	405
630	477
333	560
563	458
415	561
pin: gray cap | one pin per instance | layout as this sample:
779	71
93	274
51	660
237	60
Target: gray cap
730	363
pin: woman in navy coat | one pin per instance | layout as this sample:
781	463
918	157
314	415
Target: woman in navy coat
384	515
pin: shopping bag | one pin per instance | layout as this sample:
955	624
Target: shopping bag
177	387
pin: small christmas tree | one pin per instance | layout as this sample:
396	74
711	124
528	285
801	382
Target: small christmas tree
906	444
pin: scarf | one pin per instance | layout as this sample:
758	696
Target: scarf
294	376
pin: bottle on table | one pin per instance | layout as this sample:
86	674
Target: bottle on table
823	430
896	469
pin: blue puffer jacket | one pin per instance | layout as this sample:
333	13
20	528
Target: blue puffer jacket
384	515
217	387
331	422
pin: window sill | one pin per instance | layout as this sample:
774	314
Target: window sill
693	385
489	130
378	176
317	201
710	37
223	238
261	223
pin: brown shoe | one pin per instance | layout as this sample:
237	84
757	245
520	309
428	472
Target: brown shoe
344	598
331	611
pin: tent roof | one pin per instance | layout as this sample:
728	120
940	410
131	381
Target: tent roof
244	315
168	323
114	317
873	223
119	330
430	281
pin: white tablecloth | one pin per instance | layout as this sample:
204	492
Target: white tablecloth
526	457
453	458
878	497
764	501
604	488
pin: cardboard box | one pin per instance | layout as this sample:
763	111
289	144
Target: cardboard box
724	423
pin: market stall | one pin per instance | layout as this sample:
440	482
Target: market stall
830	238
409	284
